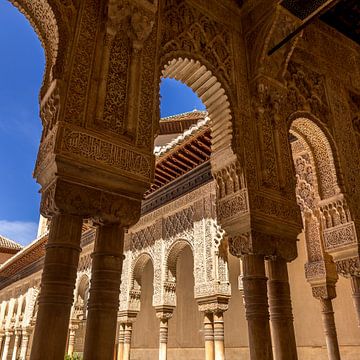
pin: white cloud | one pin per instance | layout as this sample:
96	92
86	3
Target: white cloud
23	232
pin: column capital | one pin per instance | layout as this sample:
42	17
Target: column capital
213	305
63	196
127	317
164	313
260	243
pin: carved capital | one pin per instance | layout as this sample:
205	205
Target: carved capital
164	313
258	243
348	267
216	304
324	291
141	20
71	198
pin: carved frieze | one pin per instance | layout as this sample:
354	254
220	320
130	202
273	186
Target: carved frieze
233	205
307	91
190	31
341	235
349	267
180	222
88	147
355	110
146	237
82	61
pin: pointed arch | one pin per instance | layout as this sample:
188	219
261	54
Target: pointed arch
307	131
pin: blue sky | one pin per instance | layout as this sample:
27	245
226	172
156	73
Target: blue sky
21	69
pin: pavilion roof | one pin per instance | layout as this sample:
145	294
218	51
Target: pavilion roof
9	246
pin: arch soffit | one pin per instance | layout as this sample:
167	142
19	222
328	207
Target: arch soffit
320	145
197	75
138	267
47	19
173	254
83	285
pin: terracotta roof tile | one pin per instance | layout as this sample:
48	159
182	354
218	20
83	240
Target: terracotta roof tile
8	244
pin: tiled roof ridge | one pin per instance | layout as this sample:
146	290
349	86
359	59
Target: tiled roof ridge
162	150
185	115
6	243
24	250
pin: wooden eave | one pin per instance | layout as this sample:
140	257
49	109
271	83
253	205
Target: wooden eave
183	158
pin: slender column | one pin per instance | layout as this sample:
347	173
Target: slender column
219	336
283	334
163	314
330	329
256	306
71	339
24	345
120	352
16	345
127	340
103	302
2	340
355	285
209	336
163	338
6	345
57	287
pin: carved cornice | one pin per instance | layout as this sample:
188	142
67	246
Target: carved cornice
179	187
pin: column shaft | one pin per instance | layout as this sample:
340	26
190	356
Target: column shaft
57	287
16	345
104	293
71	341
6	346
283	334
355	285
256	306
127	341
219	336
24	345
209	336
120	351
330	329
163	339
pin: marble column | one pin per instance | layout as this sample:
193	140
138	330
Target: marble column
127	340
24	344
281	316
163	315
219	346
355	285
330	329
2	341
57	287
120	350
209	335
256	307
6	345
103	302
71	338
16	345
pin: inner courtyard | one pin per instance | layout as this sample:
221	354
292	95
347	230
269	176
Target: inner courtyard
228	232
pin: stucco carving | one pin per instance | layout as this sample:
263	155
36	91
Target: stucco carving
88	202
